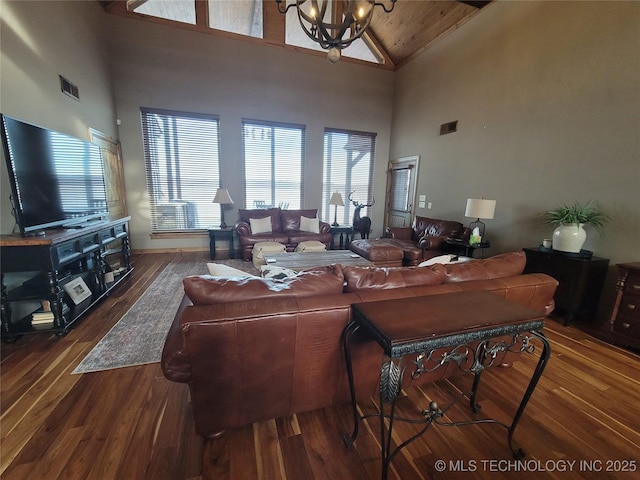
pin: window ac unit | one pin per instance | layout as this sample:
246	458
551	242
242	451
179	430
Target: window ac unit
175	215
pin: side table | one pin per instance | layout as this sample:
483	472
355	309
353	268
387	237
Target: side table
422	334
580	281
221	234
346	236
463	247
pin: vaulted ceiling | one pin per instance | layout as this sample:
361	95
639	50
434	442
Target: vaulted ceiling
413	26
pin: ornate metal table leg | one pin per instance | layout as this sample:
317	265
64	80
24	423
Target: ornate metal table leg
347	333
477	368
390	386
542	363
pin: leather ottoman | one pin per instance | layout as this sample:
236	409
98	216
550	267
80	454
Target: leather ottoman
380	253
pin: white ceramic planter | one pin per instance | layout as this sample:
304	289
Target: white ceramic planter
569	238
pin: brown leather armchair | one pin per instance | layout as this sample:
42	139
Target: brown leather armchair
425	239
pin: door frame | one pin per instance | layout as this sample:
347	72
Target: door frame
412	162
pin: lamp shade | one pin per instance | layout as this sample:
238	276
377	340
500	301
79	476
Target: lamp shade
480	208
222	197
336	199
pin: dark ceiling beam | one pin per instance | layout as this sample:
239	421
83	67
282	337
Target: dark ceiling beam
475	3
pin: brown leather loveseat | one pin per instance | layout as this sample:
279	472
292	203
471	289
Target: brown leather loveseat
285	228
253	349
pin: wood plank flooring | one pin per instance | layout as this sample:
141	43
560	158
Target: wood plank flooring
131	423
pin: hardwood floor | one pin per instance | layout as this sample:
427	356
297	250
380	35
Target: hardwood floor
131	423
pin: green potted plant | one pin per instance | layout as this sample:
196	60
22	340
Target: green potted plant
569	235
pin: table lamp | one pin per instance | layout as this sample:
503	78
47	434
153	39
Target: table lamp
479	208
223	198
336	199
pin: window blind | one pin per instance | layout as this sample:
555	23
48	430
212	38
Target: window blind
181	153
400	187
348	167
273	162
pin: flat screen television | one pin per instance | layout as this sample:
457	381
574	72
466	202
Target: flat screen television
56	180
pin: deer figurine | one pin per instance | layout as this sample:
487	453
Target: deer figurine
361	224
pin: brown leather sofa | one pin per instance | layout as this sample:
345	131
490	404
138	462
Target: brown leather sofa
253	349
285	229
425	239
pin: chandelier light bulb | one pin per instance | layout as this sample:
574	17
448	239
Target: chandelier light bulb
333	55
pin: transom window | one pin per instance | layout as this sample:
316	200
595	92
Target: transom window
181	153
273	159
243	17
348	168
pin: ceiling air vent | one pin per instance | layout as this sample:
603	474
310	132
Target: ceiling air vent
69	88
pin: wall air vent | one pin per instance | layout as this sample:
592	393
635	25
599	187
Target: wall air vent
69	88
448	127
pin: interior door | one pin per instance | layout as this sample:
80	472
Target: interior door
113	173
401	191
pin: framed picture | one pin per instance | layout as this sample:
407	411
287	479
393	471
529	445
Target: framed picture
77	290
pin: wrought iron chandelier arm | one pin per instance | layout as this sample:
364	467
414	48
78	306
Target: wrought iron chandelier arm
384	7
286	8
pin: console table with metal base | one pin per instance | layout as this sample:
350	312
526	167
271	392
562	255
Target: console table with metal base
422	334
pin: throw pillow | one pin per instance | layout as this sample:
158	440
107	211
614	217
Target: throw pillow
276	273
442	259
220	270
309	224
260	225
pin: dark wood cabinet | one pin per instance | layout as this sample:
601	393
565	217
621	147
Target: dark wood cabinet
35	271
624	326
580	281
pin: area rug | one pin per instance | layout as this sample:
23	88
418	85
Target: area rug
138	337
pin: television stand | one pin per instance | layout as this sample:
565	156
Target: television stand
80	226
60	258
39	233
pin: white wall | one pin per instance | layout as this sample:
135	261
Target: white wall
546	95
40	41
164	67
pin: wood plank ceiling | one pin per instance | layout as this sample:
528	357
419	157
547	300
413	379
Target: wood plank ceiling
413	26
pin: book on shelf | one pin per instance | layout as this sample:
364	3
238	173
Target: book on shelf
42	326
42	323
45	315
42	316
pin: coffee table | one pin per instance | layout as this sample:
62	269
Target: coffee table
422	334
300	260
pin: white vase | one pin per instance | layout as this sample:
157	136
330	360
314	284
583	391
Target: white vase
569	238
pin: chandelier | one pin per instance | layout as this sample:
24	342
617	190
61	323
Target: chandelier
328	32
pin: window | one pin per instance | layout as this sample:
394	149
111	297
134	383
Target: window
273	158
177	10
240	16
348	167
244	17
181	153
